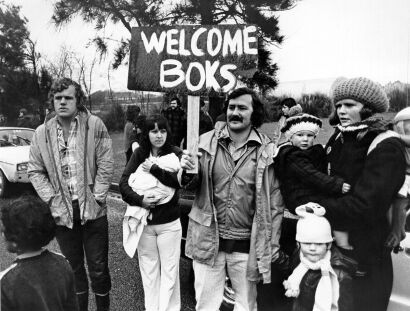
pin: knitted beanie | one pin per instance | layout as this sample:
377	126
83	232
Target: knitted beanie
363	90
312	227
301	122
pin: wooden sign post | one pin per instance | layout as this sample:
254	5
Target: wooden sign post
192	60
193	128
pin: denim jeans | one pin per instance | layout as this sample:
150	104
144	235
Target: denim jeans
91	240
159	250
210	281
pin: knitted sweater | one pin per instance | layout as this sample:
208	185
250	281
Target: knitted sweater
44	282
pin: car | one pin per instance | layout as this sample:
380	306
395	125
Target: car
400	297
14	156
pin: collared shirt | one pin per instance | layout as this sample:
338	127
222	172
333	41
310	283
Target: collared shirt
67	155
234	177
237	151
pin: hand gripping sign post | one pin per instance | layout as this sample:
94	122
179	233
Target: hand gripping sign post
192	60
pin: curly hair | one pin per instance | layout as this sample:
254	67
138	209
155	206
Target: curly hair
27	221
64	83
149	124
258	114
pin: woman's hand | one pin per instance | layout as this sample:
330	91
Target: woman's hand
146	166
187	160
149	201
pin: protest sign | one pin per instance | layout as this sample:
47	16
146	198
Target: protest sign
192	60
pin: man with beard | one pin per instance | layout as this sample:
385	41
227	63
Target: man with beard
234	223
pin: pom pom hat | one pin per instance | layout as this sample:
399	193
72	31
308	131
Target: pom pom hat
312	227
363	90
301	122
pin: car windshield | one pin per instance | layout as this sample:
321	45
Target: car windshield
15	137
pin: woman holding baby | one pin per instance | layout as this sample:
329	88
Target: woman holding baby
149	185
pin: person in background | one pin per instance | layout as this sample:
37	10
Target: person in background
137	136
205	122
159	246
23	119
289	108
175	116
234	224
71	166
375	178
38	279
129	129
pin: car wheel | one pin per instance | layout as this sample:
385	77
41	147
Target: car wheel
3	184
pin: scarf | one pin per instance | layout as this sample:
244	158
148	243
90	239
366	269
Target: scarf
327	291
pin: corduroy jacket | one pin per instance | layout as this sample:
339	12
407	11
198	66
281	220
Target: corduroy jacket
203	236
95	167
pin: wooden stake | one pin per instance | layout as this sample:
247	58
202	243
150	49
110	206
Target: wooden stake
193	129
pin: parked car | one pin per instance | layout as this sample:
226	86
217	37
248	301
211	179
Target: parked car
400	298
14	156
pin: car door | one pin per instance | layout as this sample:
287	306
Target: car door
400	298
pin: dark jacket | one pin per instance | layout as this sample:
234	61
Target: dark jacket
344	268
303	175
40	283
176	121
375	178
163	213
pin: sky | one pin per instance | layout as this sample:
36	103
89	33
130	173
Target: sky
324	39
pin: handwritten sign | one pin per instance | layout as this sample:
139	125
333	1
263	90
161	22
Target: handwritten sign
191	59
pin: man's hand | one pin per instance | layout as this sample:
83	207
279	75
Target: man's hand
345	188
187	160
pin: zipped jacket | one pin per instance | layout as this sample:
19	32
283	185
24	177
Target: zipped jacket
95	167
202	242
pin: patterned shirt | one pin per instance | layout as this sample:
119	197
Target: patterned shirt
67	155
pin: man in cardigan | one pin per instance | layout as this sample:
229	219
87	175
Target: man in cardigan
71	166
234	223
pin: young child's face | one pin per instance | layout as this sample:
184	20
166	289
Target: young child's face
314	251
406	127
303	139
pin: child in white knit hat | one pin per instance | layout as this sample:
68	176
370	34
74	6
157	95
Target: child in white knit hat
323	276
301	166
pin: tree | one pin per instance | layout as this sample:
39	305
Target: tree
159	12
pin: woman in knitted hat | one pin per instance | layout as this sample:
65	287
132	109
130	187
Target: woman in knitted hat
301	168
321	277
375	177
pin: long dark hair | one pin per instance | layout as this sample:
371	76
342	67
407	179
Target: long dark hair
258	114
149	125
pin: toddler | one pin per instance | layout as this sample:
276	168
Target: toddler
38	279
322	277
301	166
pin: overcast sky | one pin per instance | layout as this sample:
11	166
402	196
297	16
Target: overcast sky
323	39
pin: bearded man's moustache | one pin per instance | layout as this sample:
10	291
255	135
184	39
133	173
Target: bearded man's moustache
235	118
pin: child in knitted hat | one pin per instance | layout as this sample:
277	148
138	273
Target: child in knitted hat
301	167
322	278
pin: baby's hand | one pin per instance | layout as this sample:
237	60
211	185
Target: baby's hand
345	188
146	166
